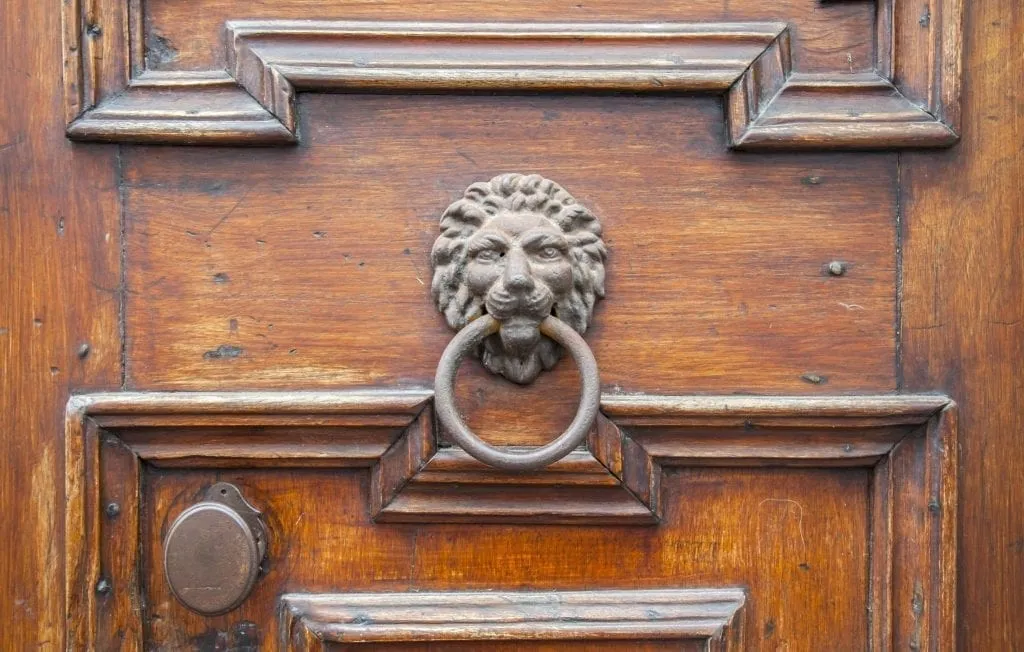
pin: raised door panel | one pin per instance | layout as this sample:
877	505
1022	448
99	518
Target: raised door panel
755	479
310	267
763	515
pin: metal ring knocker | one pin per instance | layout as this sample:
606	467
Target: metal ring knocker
444	397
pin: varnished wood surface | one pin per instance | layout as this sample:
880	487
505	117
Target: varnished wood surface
519	646
59	304
797	539
959	329
291	260
487	616
907	444
116	91
836	37
963	315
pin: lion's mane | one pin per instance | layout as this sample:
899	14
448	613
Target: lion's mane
517	193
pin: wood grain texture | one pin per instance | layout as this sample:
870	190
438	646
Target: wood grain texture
768	104
111	438
836	36
907	444
534	646
960	333
910	99
448	486
963	315
626	616
726	527
59	311
302	269
245	429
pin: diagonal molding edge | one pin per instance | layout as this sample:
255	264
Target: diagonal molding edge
911	99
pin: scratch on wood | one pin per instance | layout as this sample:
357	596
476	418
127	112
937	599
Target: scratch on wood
224	351
799	514
238	203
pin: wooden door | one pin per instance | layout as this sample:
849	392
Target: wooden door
301	293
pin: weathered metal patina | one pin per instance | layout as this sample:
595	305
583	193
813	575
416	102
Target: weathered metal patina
519	265
213	551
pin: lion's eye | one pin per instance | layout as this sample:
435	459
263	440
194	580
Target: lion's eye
488	255
550	253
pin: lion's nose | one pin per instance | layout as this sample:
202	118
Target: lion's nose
517	272
519	281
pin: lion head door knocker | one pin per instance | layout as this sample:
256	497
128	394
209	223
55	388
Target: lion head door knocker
517	269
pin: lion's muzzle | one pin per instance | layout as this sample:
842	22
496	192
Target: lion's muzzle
520	315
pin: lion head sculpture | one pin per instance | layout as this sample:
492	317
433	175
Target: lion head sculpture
519	248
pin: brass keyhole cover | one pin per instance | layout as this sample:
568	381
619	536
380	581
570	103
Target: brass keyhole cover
213	551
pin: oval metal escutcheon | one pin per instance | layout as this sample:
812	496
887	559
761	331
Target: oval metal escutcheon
213	551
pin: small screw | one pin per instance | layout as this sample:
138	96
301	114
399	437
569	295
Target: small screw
103	587
836	268
113	509
83	351
934	507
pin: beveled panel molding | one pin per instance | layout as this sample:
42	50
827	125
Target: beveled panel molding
312	622
907	442
911	99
